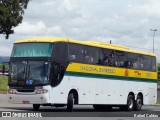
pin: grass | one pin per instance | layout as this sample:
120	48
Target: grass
3	84
6	68
0	67
158	101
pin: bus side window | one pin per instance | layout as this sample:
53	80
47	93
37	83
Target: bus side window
138	63
107	57
135	65
101	56
111	58
72	57
75	53
59	51
153	67
120	59
91	55
133	58
128	64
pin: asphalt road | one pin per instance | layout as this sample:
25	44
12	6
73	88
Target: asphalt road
79	111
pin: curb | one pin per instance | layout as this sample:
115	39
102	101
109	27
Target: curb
152	105
3	92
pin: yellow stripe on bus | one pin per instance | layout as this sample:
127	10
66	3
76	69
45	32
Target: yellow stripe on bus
114	71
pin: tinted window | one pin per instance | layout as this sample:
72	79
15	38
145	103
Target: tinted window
91	55
60	51
142	62
76	53
153	63
146	62
32	50
134	60
121	59
107	57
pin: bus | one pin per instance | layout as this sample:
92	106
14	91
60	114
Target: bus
62	72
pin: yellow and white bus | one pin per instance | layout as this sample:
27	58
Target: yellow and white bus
63	72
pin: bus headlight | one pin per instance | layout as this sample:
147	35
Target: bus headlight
41	91
12	91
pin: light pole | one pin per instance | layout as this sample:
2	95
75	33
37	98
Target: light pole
154	30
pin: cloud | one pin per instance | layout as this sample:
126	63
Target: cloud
29	28
5	51
69	5
38	29
5	46
124	22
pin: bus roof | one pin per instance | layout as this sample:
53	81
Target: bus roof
89	43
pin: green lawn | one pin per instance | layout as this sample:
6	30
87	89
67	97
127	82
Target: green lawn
158	101
0	67
3	84
6	68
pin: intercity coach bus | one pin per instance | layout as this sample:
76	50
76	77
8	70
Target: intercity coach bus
63	72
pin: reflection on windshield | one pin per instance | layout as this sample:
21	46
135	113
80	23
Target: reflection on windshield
38	72
17	71
32	50
29	73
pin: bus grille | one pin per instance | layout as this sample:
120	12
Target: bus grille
25	90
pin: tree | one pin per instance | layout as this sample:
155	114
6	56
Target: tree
11	12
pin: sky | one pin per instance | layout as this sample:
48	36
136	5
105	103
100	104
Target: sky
124	22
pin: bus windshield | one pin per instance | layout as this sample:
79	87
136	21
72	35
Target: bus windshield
32	50
29	73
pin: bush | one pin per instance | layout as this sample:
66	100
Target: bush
3	83
158	101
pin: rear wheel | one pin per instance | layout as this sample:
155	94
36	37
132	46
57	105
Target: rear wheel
70	102
138	103
130	103
36	107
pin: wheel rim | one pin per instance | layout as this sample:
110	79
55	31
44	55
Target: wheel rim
139	103
73	100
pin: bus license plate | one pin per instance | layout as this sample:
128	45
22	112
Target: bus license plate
25	102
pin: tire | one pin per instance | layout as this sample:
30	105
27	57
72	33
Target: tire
138	103
130	103
36	107
70	102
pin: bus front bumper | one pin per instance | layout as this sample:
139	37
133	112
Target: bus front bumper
28	98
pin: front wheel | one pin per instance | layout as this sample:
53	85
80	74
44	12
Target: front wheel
70	102
36	107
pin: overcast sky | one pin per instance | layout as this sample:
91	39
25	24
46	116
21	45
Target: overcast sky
125	22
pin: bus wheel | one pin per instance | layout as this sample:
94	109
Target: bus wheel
36	107
130	103
138	103
70	102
